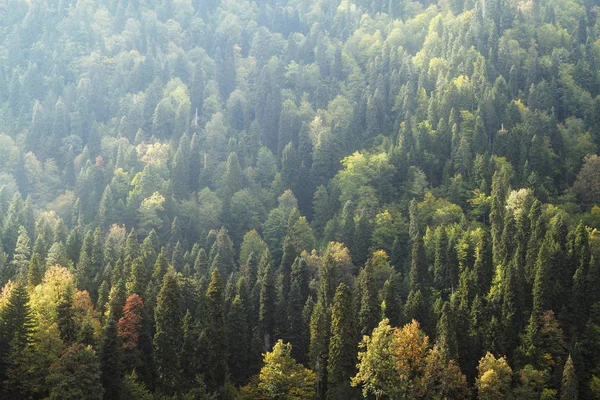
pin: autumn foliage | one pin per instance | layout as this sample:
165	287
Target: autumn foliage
130	324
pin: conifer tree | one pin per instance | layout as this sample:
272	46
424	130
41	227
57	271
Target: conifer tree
299	292
76	375
214	334
320	323
391	306
65	317
237	340
83	272
34	271
201	265
368	313
267	307
18	326
285	268
341	360
110	359
569	387
441	265
348	228
168	338
362	239
418	267
446	334
161	266
21	254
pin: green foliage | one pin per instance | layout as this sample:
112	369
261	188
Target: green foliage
76	375
436	157
282	378
168	338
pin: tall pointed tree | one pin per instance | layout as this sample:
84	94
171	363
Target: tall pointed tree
168	317
341	360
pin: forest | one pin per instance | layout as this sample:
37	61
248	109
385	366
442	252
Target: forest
299	199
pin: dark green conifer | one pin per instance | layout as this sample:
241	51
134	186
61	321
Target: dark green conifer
341	359
168	338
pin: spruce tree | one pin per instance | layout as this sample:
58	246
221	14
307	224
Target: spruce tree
188	355
341	359
320	324
21	253
368	313
214	334
285	268
362	239
16	330
65	317
34	271
111	360
237	340
168	338
569	386
296	327
267	307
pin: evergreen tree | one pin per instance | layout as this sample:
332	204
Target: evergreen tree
237	340
34	271
320	323
569	387
368	313
64	316
267	307
341	360
110	359
76	375
168	338
299	293
16	331
21	254
214	334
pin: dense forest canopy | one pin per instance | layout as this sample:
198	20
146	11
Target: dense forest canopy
298	199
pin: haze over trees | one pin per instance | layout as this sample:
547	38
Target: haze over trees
258	199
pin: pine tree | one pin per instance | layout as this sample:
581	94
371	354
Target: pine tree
103	295
418	267
391	307
110	360
201	264
320	323
136	282
267	307
414	229
180	169
569	386
362	239
16	331
348	228
341	360
441	265
83	272
285	268
497	214
188	355
168	338
76	375
65	317
296	327
237	340
34	272
20	260
446	334
161	266
368	313
214	334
